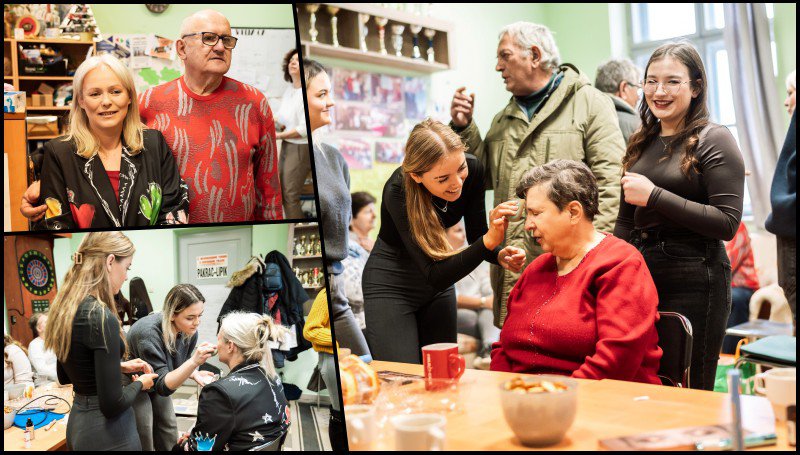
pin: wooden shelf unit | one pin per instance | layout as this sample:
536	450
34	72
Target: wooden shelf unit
73	50
348	36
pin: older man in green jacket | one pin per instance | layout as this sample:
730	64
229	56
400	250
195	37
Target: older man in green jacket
554	113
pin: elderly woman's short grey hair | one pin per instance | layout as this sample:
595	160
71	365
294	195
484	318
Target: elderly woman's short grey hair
568	181
527	34
791	80
612	72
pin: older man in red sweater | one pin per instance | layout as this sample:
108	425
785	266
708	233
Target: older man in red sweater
586	308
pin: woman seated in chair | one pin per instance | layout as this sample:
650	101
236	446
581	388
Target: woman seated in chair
246	409
587	307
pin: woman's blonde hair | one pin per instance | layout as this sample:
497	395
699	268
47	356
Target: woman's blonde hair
429	142
178	299
79	131
251	333
87	276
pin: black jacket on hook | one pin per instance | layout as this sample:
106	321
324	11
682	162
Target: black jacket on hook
249	295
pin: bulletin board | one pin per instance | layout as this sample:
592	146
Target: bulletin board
258	57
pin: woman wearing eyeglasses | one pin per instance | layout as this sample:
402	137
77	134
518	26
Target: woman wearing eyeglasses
682	196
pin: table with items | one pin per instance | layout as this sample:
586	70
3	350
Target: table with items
478	411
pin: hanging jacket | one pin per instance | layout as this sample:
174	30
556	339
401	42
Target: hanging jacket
248	294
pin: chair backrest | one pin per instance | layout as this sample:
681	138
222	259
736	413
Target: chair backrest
675	340
272	446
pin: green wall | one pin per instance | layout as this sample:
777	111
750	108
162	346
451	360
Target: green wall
583	35
113	18
155	260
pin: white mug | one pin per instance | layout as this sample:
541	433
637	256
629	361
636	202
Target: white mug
361	426
417	432
780	388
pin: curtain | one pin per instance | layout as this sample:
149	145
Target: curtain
760	125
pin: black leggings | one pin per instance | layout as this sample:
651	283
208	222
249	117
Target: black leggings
692	275
402	312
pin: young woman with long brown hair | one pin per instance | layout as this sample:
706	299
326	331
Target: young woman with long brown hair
409	298
682	196
166	341
83	331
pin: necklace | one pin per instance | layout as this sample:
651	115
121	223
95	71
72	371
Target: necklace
666	146
444	210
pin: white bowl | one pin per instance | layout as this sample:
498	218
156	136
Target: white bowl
15	390
540	419
8	419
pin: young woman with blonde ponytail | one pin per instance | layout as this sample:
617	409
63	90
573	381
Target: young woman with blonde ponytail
247	408
84	333
409	299
167	340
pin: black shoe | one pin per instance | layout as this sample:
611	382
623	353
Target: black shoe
337	432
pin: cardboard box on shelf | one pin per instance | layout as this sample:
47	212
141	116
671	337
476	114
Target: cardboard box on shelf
39	126
42	100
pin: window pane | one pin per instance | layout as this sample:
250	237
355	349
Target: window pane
715	16
726	114
657	21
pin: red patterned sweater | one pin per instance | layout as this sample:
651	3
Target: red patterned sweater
743	265
596	322
224	145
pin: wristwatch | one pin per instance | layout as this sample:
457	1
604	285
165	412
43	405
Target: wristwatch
483	302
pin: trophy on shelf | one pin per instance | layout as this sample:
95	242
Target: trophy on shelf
382	21
334	22
429	33
313	32
397	39
415	29
363	19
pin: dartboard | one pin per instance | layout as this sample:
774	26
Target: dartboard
36	272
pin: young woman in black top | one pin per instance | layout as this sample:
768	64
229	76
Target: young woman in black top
681	196
84	333
409	299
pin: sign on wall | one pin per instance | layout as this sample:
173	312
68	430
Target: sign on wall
212	266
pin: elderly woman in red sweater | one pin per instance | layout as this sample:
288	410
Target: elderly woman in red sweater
587	307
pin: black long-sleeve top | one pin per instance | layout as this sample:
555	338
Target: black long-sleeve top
93	364
396	230
709	203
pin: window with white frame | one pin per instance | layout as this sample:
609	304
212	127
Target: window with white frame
653	24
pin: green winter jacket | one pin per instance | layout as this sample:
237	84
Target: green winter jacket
576	122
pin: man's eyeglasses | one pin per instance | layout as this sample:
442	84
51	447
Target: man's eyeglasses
211	38
670	87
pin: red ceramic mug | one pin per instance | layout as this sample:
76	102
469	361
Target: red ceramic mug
441	361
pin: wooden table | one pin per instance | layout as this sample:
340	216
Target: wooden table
53	439
606	409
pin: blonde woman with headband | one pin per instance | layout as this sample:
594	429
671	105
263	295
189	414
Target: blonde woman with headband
167	341
409	298
109	170
246	409
84	333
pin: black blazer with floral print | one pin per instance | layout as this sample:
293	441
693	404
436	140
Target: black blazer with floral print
79	194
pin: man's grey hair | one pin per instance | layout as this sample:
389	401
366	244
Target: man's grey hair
527	34
612	72
568	181
791	80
